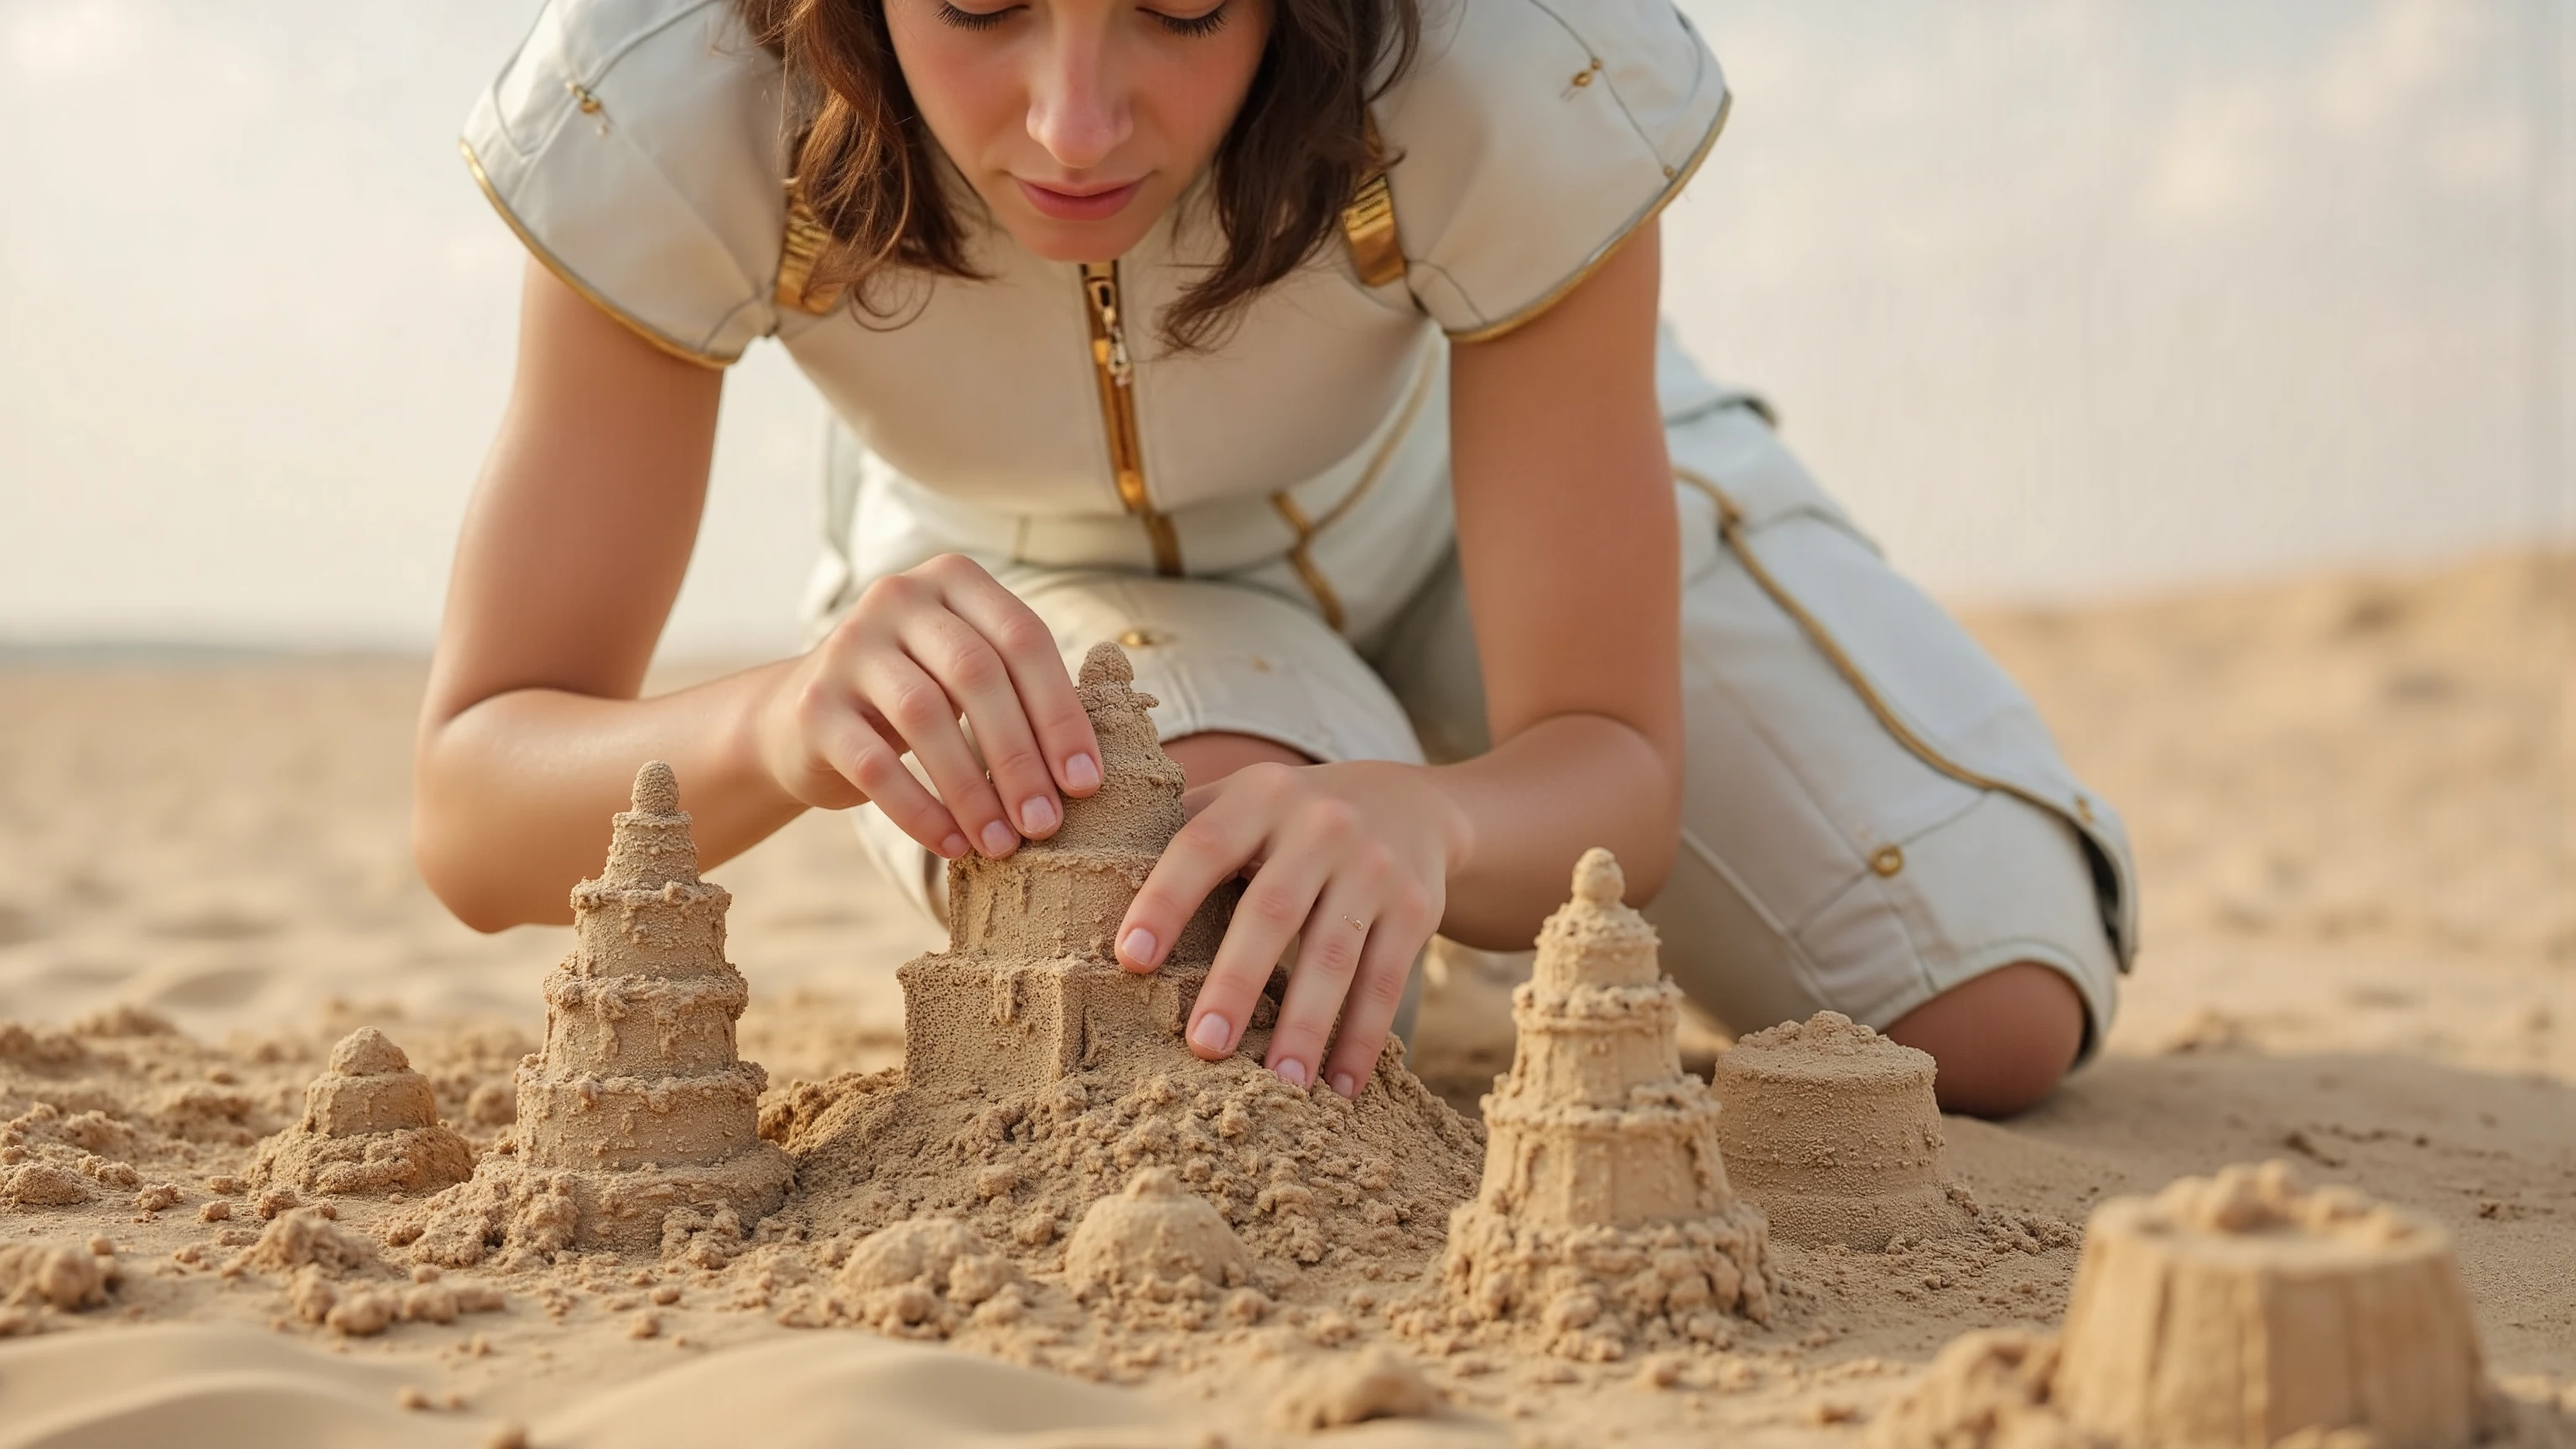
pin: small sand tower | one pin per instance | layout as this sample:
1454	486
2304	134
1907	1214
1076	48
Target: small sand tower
1605	1212
1030	981
370	1125
639	1105
2241	1309
1831	1129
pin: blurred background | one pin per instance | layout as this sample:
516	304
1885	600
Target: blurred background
2068	299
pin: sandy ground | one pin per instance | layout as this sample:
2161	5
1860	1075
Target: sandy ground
2355	807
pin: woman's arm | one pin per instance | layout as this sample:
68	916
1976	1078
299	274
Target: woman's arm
1570	548
570	556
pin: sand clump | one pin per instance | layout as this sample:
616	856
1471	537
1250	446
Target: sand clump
1039	1077
925	1277
1832	1130
67	1277
2242	1309
1605	1220
370	1126
639	1106
1154	1241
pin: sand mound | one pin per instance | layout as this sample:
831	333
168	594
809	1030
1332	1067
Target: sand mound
1039	1077
639	1106
2239	1309
1606	1220
1831	1129
922	1278
370	1125
1154	1241
67	1276
1374	1383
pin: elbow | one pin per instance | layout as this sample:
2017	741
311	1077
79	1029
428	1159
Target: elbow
450	877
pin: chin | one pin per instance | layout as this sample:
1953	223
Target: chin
1063	241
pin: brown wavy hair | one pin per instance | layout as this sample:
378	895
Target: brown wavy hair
865	163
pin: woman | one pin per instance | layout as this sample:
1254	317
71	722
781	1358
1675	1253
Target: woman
1308	348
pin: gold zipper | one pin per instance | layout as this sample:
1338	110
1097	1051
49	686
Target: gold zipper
1116	374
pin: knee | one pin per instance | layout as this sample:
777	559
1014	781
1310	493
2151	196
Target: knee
2002	1040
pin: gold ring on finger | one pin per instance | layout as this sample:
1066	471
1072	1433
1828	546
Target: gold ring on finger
1356	923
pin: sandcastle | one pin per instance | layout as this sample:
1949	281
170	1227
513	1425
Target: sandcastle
370	1125
1041	1078
1832	1130
1605	1216
639	1106
1030	986
2236	1310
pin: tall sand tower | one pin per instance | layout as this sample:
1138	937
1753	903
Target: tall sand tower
640	1104
1605	1215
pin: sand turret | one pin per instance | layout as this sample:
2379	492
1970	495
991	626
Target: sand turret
639	1104
1832	1130
370	1125
1030	983
2240	1309
1605	1215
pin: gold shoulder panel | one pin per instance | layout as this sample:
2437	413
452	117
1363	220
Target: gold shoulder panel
803	246
660	341
1368	222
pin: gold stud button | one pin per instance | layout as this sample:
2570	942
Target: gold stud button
2084	809
1143	638
1887	860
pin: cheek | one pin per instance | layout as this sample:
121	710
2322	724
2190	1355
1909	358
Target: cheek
965	85
1198	88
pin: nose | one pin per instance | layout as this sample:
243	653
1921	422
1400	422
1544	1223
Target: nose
1078	104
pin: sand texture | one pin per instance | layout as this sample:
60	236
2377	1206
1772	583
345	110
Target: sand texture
2351	802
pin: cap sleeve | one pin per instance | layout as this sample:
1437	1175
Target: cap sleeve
1532	139
636	147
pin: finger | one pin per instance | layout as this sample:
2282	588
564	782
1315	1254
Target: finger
1219	842
974	677
922	716
1395	942
1048	700
1328	955
866	758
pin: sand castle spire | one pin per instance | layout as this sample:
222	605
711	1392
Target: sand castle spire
1603	1150
639	1105
1030	980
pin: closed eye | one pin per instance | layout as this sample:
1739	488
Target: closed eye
974	19
1195	25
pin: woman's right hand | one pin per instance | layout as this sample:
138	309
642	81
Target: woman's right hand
920	649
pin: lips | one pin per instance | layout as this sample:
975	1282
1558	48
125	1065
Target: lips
1086	205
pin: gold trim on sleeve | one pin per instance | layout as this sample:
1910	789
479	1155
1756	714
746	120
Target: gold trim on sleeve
803	245
1558	293
564	274
1368	222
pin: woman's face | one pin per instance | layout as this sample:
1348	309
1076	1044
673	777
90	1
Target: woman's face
1079	121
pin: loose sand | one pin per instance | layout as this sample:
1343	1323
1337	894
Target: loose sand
2352	802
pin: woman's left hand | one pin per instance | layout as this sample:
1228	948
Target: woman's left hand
1353	860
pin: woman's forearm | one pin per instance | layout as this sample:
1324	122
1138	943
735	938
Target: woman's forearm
514	792
1536	802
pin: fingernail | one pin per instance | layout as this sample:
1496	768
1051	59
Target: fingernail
1081	773
1037	815
998	839
1211	1034
1291	1071
953	847
1343	1084
1139	948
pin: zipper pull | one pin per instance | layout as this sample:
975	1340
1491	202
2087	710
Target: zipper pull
1100	280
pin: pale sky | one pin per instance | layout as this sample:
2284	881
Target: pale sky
2064	299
